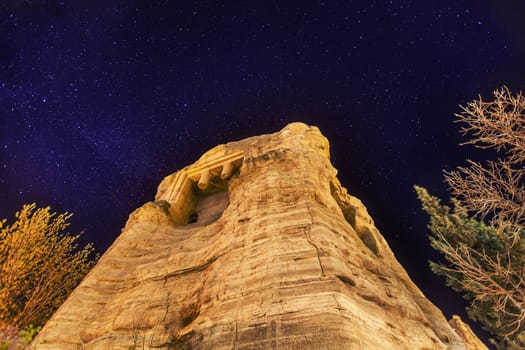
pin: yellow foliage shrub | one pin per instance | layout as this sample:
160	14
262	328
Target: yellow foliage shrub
40	264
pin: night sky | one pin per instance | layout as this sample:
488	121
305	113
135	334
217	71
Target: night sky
99	100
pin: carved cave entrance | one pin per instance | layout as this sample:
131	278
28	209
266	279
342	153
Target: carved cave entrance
199	194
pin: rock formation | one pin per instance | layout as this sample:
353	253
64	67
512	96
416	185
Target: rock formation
466	333
254	246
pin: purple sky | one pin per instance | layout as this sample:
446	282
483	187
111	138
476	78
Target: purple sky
99	100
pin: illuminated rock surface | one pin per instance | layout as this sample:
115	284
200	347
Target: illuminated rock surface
255	246
466	334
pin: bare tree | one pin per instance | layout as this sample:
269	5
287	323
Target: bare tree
483	236
495	191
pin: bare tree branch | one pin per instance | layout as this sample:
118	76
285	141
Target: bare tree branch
498	124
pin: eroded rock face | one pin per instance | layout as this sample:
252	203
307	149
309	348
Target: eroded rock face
466	333
255	246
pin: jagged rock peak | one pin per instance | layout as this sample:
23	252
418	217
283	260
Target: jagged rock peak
254	246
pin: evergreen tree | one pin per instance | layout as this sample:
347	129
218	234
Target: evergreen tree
482	234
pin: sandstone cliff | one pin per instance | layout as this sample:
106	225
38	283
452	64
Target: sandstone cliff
254	246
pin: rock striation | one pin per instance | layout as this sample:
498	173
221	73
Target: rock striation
254	246
466	333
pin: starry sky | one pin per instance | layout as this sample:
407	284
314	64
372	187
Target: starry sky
99	100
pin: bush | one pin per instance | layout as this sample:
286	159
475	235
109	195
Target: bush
11	339
40	264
